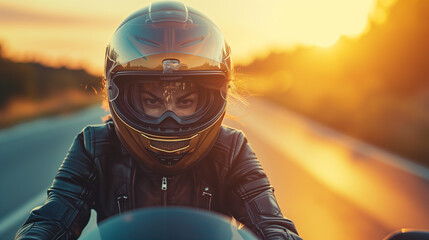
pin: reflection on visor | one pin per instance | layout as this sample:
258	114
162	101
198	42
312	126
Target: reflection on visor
156	98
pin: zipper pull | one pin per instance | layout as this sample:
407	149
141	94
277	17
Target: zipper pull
207	193
208	196
121	203
164	184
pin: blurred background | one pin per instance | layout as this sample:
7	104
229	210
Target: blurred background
337	91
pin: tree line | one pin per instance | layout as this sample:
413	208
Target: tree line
34	81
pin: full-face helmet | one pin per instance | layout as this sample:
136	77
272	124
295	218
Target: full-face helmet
167	70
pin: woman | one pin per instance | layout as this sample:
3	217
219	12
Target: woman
167	72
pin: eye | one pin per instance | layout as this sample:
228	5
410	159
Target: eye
186	102
151	102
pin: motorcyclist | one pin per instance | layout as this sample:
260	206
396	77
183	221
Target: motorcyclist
167	74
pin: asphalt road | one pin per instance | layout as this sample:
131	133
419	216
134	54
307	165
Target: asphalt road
331	186
30	155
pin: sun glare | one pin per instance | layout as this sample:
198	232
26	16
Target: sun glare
324	22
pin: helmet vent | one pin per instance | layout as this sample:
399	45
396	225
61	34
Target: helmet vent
192	42
169	147
147	41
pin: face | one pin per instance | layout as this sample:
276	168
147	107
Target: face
178	97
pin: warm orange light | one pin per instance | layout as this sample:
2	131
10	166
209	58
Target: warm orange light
79	31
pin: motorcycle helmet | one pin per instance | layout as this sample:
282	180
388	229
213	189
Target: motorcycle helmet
167	69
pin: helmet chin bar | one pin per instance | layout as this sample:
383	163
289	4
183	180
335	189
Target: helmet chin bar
162	162
169	145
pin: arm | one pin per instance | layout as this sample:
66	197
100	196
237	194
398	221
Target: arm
67	209
252	197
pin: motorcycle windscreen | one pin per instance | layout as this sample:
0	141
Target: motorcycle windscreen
169	223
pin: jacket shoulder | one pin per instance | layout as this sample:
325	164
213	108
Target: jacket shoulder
98	138
228	138
227	132
227	145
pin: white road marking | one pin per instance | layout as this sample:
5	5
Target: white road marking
19	215
91	226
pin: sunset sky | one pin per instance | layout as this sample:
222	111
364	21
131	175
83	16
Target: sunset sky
75	33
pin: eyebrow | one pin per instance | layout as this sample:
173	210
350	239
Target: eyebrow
186	95
152	95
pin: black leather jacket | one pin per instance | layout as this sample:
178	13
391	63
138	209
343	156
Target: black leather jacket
99	174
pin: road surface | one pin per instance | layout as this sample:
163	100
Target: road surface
330	185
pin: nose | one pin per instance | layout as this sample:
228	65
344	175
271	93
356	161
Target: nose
169	106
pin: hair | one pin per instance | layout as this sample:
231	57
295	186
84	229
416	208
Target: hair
105	102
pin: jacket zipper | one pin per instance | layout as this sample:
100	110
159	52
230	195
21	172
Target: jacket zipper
164	189
121	203
208	196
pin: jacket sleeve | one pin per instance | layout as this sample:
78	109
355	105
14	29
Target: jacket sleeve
67	208
251	197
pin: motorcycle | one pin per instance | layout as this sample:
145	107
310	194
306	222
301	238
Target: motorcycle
169	223
408	234
189	224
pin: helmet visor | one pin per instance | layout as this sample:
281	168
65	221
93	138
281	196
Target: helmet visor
156	98
145	101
